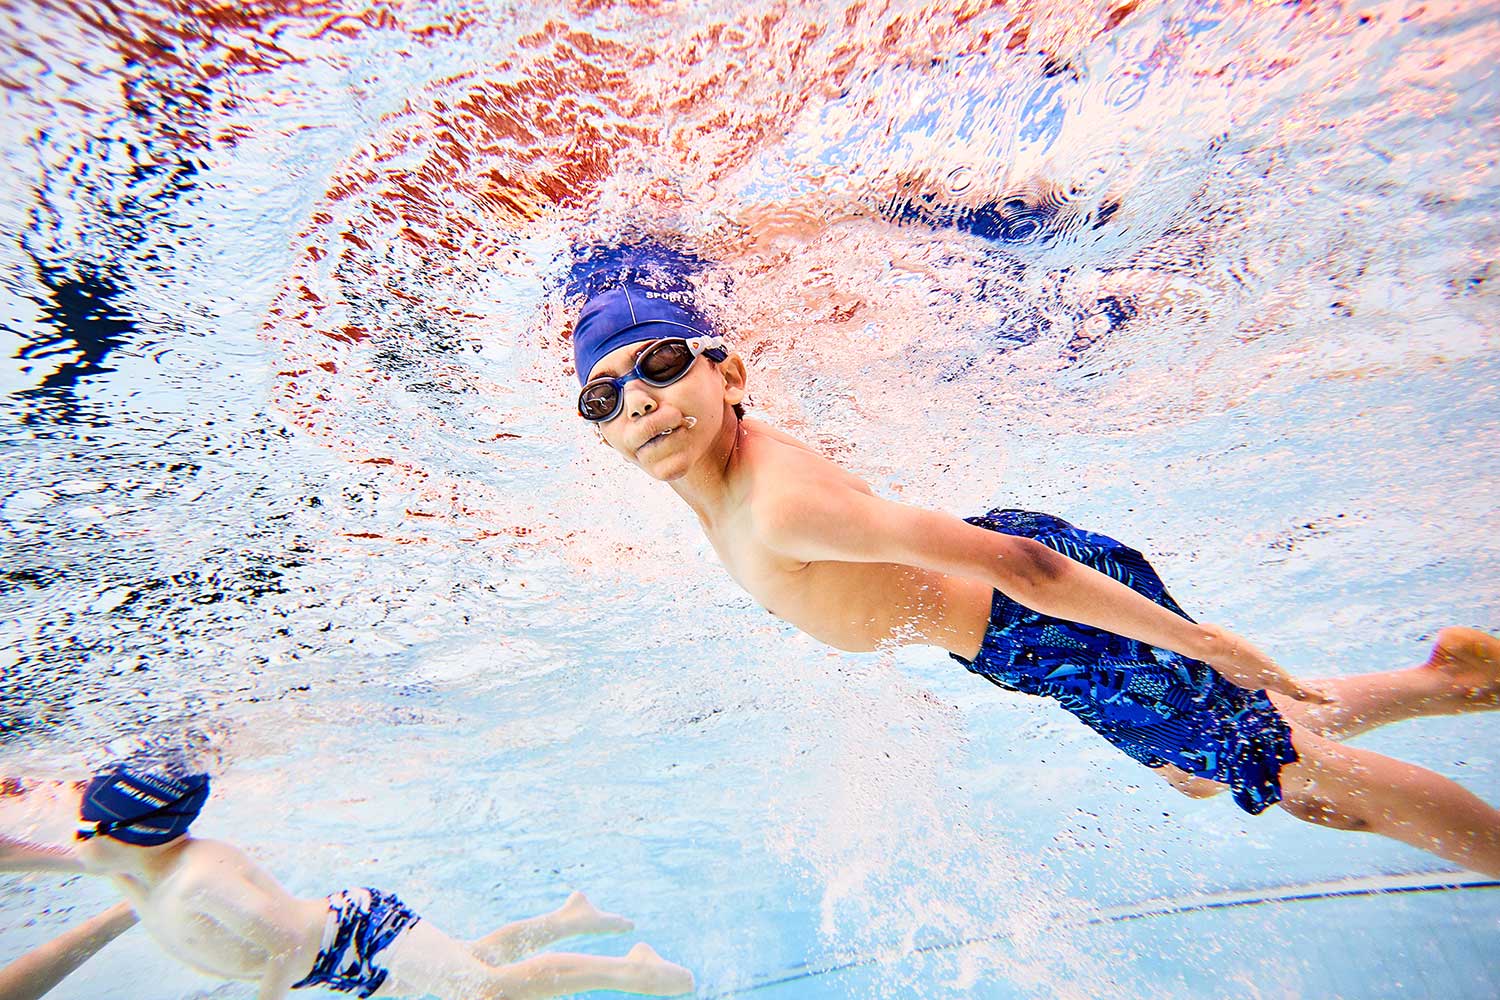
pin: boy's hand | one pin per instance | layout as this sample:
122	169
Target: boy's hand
1245	665
1310	692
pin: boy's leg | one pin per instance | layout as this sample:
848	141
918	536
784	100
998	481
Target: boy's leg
425	961
1190	785
1461	675
642	970
1348	788
576	916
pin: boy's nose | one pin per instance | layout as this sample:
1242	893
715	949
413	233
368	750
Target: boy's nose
638	401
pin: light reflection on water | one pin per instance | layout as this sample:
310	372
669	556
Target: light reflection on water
290	464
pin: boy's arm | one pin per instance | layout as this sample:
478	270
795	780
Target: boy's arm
24	856
277	981
823	520
35	973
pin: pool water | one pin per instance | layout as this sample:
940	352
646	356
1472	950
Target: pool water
290	475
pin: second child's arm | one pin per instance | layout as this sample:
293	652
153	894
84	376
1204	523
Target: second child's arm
24	856
825	520
35	973
277	981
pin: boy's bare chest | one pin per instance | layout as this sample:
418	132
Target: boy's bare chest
853	607
177	921
178	912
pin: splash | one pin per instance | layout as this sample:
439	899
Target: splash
972	251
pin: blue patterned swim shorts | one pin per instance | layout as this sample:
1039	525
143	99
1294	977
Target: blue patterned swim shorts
1157	706
361	924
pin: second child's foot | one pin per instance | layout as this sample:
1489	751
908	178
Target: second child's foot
1471	660
583	917
657	976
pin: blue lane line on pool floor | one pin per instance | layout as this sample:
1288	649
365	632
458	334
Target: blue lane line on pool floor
1359	885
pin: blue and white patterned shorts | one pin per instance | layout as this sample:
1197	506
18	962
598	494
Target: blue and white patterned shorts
361	924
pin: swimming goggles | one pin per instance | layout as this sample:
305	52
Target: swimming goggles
660	364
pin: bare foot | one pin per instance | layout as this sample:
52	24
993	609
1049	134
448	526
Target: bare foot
583	917
657	976
1471	659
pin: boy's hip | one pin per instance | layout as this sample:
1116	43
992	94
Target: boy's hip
1017	635
361	924
1156	705
1110	681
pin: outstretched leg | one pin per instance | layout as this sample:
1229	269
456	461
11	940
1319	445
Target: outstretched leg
1461	675
557	974
424	961
576	916
1349	788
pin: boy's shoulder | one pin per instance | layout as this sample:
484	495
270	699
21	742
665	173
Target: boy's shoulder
786	476
777	463
763	433
778	459
210	864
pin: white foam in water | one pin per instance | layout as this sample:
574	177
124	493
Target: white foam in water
308	492
901	852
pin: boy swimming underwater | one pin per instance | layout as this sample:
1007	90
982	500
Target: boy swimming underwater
213	908
1023	599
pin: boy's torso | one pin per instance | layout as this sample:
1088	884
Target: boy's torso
177	910
856	607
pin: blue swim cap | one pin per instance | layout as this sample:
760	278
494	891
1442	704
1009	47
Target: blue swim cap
140	808
629	314
635	291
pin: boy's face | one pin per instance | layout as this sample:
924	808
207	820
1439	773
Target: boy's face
667	430
104	854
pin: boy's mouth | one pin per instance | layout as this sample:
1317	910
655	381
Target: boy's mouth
657	438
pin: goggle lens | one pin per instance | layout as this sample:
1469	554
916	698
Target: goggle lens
598	401
666	362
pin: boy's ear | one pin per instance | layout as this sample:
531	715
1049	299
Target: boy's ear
733	371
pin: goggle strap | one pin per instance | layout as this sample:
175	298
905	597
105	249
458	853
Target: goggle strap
712	348
104	827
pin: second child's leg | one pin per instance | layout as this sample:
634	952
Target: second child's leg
424	961
1461	675
1349	788
576	916
557	974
